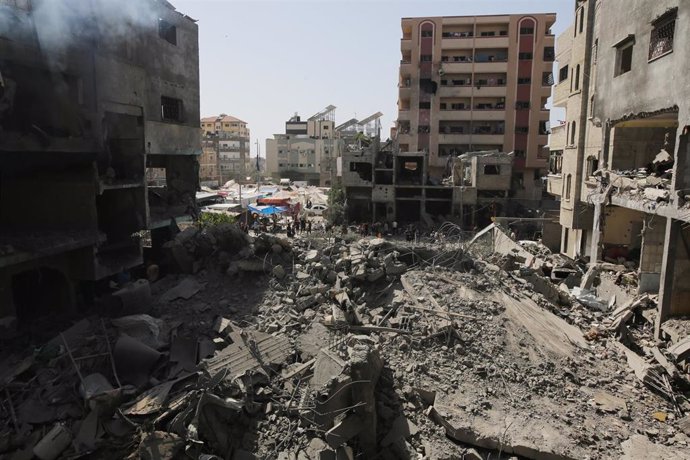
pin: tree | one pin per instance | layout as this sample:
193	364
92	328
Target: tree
336	205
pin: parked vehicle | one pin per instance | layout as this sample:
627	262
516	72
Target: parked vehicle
316	210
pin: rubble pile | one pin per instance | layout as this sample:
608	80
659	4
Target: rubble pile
321	347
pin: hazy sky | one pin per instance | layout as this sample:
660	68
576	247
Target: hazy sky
262	60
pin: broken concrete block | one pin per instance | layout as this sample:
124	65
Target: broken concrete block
185	289
160	445
472	454
134	359
402	428
53	443
135	297
680	350
279	272
343	431
376	275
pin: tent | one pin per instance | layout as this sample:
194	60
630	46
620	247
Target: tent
267	210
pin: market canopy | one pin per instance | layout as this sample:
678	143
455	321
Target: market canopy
267	210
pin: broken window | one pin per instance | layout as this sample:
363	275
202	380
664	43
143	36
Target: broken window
492	170
592	165
661	39
364	170
624	55
556	162
167	31
171	109
563	73
410	165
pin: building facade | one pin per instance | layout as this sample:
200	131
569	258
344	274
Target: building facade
576	145
99	142
637	181
307	150
478	83
226	149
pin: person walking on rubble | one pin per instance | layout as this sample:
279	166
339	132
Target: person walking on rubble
309	227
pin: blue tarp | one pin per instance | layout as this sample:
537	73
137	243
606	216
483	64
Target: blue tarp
267	210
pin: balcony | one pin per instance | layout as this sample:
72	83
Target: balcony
560	93
405	44
455	91
452	115
493	66
405	67
457	67
492	42
404	114
489	138
404	92
455	138
554	184
458	42
489	91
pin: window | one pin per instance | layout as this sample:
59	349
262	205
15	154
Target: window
522	105
568	185
492	170
556	162
577	77
563	74
519	153
543	127
427	33
661	39
522	129
487	34
171	109
573	130
624	54
547	79
524	81
582	19
549	54
425	58
526	30
167	31
592	165
525	56
425	105
595	51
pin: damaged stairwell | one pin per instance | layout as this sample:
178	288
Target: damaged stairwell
330	346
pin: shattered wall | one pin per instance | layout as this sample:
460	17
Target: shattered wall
633	148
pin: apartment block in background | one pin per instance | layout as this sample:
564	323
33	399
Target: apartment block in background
99	145
308	149
226	142
478	83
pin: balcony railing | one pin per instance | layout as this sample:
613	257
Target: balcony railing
457	34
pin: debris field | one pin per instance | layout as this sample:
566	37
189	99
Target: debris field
343	347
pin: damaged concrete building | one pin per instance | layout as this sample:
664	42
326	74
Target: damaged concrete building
478	83
385	184
624	173
99	138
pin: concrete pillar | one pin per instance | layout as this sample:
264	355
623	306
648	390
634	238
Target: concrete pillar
668	265
595	250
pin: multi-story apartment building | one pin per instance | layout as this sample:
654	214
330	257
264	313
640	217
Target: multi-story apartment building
94	102
635	177
473	83
307	151
576	145
226	140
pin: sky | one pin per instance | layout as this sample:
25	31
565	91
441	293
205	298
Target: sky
262	61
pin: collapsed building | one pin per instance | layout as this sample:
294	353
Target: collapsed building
99	138
622	173
384	184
